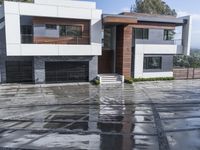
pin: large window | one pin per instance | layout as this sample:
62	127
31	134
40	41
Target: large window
169	34
152	62
26	34
107	38
141	33
70	30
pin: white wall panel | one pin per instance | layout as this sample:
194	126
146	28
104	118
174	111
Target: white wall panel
12	23
39	50
13	50
69	12
68	3
37	10
157	74
157	48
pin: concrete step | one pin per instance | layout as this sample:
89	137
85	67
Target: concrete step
110	79
116	82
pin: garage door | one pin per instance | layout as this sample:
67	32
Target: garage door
19	71
66	71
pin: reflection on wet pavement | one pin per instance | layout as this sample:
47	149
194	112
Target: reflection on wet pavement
114	117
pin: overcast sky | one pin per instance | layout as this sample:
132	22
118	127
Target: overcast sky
183	7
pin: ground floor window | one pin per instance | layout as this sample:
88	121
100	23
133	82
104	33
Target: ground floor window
152	62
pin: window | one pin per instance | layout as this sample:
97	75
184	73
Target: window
51	26
107	38
169	34
152	62
141	33
26	34
70	30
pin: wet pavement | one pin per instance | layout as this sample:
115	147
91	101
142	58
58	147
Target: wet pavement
143	116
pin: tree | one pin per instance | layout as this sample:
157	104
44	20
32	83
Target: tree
1	1
153	7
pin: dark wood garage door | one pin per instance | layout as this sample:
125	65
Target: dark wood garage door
19	71
67	72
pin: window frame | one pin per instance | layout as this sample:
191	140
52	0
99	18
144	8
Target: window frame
147	64
142	36
166	35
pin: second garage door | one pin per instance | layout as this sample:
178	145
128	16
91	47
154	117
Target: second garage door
67	71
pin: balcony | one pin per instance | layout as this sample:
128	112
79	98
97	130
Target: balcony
30	39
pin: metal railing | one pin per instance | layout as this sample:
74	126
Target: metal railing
30	39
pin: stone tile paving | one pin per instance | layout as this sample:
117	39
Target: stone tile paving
149	115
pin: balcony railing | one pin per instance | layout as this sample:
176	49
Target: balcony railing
30	39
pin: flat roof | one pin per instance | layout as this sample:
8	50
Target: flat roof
146	18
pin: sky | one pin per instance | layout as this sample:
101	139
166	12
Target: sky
182	7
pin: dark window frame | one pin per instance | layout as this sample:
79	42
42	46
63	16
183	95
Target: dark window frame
149	60
107	38
26	34
168	35
51	26
144	33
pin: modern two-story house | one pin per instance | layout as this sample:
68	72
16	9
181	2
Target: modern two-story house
71	41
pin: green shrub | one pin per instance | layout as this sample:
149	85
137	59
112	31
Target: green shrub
153	79
95	82
128	81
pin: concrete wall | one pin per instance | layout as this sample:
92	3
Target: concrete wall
156	36
39	66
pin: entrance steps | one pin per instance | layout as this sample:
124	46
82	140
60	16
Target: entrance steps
110	79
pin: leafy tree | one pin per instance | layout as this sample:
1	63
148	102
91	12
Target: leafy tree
153	7
1	1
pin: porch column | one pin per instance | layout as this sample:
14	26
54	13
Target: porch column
39	70
124	50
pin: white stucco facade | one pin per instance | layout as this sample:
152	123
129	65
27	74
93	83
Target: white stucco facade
50	8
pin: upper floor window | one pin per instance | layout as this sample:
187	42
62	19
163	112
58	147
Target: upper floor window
152	62
141	33
26	34
70	30
169	34
107	38
51	26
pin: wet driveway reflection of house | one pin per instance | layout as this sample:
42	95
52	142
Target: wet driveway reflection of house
86	117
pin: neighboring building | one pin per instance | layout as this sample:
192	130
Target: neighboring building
47	41
142	45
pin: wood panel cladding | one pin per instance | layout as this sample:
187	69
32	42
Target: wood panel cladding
83	39
105	62
124	50
154	25
119	20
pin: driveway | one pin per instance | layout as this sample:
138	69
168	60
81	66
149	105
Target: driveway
143	116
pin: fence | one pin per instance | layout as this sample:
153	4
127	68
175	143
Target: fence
186	73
